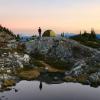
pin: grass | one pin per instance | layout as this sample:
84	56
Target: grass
8	83
93	44
85	41
82	78
29	75
53	62
58	64
69	79
37	63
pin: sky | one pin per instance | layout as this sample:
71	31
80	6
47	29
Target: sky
25	16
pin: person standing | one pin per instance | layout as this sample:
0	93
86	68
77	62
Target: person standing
39	31
41	85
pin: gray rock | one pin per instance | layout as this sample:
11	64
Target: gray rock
66	50
95	77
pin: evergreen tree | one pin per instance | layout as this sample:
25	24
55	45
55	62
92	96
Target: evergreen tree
85	36
18	37
85	33
93	35
80	33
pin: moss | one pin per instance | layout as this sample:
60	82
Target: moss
82	78
37	63
58	64
55	63
69	79
29	75
8	83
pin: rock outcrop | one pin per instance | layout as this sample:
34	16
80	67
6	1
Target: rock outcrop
11	61
65	50
84	61
5	36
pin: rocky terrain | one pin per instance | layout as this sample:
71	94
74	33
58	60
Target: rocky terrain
5	36
66	50
49	59
78	61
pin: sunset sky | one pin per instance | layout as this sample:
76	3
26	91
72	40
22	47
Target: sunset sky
25	16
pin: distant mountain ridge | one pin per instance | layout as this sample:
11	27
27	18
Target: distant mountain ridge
98	36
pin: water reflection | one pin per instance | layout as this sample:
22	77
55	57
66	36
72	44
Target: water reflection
30	90
16	90
48	87
41	85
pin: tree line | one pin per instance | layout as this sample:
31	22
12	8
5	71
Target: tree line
6	30
86	36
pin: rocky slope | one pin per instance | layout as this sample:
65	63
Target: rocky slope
50	57
82	60
5	35
65	50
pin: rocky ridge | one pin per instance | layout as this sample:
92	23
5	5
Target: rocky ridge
84	61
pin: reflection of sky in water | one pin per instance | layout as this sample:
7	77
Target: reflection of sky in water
65	91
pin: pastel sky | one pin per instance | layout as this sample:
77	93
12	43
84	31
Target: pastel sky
25	16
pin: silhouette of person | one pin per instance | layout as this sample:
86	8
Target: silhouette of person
40	86
39	31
